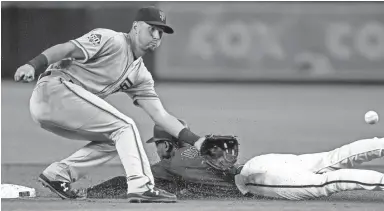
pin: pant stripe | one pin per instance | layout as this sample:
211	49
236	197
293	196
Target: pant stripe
122	119
312	186
343	159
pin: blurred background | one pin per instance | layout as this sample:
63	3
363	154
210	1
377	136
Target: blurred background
288	77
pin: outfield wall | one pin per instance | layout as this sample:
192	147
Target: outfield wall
29	28
218	41
273	41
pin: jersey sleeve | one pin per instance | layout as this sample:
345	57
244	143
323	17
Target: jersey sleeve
240	183
145	89
97	42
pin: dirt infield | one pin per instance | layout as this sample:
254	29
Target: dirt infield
27	174
46	200
267	118
353	202
117	205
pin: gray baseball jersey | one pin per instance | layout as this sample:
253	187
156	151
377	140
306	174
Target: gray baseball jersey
109	66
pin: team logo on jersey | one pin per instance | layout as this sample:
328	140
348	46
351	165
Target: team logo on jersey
162	16
95	39
191	152
124	86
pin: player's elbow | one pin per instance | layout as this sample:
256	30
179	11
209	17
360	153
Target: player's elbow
73	51
62	51
70	50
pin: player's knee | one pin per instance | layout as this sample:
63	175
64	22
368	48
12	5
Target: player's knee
378	143
38	114
381	139
125	127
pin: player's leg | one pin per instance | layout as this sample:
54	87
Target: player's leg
353	179
76	166
61	104
347	156
296	184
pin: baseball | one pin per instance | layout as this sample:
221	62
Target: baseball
371	117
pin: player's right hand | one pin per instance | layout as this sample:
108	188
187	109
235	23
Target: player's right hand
25	73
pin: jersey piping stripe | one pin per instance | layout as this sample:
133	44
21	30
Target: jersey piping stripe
148	95
82	49
125	71
139	97
138	149
117	81
312	186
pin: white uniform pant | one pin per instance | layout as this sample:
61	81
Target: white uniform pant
70	111
307	176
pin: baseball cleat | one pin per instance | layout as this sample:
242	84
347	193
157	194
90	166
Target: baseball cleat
63	189
154	195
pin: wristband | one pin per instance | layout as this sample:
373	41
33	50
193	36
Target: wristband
40	63
187	136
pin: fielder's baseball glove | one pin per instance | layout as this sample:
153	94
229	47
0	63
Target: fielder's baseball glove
220	152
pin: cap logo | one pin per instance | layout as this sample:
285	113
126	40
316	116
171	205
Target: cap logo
162	15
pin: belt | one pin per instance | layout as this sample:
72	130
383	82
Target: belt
48	73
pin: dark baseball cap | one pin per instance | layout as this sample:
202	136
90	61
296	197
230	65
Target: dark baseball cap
159	134
154	16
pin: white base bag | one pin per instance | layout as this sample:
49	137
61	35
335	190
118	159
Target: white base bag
11	191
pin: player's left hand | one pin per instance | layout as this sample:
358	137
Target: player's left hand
25	73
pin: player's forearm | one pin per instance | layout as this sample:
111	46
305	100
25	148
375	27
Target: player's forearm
169	123
174	127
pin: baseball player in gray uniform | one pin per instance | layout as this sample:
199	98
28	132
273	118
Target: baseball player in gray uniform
68	101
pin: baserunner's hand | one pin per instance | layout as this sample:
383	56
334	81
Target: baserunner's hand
25	73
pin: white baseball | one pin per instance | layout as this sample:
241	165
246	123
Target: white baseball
371	117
